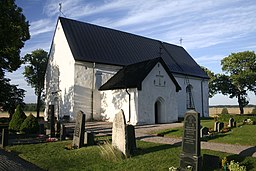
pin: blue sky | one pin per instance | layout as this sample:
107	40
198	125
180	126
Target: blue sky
210	29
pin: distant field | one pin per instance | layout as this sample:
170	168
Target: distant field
231	110
6	115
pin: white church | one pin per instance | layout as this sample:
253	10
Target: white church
100	70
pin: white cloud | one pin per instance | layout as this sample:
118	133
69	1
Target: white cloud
41	26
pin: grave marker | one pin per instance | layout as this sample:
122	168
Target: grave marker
191	148
119	133
220	126
78	138
52	121
231	122
5	137
215	126
204	131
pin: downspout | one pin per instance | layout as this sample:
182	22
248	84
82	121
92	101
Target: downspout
93	73
202	97
129	118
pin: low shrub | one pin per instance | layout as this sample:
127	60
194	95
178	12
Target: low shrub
254	111
224	111
17	119
30	125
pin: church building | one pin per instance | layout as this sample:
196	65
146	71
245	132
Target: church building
99	71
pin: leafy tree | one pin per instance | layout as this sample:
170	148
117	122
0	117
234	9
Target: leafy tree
35	71
14	31
211	82
11	96
17	119
241	76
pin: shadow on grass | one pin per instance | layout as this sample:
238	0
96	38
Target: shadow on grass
153	149
213	137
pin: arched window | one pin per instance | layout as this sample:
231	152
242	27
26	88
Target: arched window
190	101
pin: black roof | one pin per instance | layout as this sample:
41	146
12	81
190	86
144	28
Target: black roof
92	43
131	76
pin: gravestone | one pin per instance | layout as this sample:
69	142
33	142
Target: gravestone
204	131
220	126
231	122
234	123
41	128
78	138
88	138
131	139
215	126
52	121
119	133
191	148
5	137
63	132
211	162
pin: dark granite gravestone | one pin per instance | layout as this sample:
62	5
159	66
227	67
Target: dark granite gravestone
215	126
234	123
78	138
5	137
220	126
204	131
52	121
88	138
211	162
191	147
63	132
231	122
131	139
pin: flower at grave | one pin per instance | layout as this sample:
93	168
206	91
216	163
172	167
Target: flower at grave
190	168
172	169
224	162
51	139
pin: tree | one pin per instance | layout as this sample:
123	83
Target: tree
211	82
18	118
11	96
241	76
35	71
14	31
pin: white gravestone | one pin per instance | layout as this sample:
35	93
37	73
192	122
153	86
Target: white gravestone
119	133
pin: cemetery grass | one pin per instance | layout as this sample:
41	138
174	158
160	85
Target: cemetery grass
149	156
241	135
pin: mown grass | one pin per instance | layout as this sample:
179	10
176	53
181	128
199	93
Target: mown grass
242	135
149	156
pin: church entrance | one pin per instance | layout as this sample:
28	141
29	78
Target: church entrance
159	110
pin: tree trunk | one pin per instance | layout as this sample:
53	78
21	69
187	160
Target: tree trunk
38	105
241	105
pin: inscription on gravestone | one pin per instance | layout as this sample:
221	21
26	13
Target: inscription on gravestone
190	156
78	139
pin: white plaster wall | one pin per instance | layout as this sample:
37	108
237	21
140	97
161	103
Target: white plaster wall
151	92
199	93
112	101
88	77
60	74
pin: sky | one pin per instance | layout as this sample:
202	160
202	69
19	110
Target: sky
209	30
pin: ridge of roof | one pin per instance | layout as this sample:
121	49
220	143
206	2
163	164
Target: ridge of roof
92	43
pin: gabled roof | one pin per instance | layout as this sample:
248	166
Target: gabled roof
92	43
131	76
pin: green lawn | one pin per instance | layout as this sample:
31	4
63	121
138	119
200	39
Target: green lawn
243	135
150	156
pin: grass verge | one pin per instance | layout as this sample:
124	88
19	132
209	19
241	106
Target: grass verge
149	156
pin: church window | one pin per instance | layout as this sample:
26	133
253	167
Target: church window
190	102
